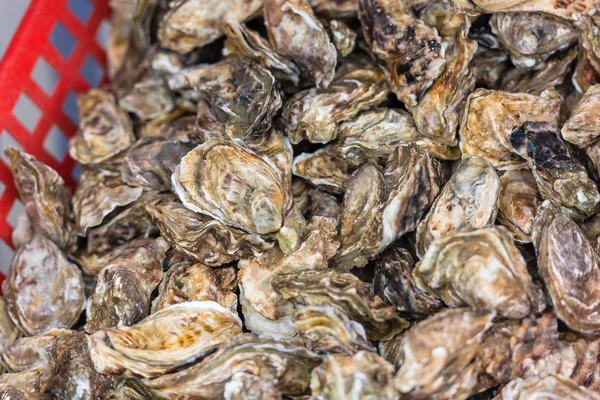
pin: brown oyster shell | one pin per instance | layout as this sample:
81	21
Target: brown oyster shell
518	203
104	129
323	204
9	332
167	340
335	8
148	99
410	51
296	34
43	289
583	126
324	169
343	37
482	269
300	190
568	9
469	200
551	386
26	385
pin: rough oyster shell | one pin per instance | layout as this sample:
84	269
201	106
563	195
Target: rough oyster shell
323	204
148	99
551	386
335	8
323	168
518	203
583	126
9	332
566	9
27	385
343	37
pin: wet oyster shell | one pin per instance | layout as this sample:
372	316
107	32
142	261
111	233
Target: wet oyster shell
518	203
468	200
363	375
570	275
490	116
315	114
287	364
43	289
122	295
569	9
296	34
375	134
9	332
549	386
410	51
438	355
583	126
46	200
194	23
344	292
482	269
394	283
104	129
148	99
323	168
169	339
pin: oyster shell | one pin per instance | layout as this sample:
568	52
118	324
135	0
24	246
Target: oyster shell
46	200
570	275
243	386
363	375
335	8
343	37
518	203
482	269
568	9
490	117
375	134
267	359
411	52
31	351
323	204
148	99
122	295
323	168
23	231
43	289
315	114
296	34
195	23
583	126
277	148
9	332
27	385
469	200
176	336
104	129
300	190
551	386
588	32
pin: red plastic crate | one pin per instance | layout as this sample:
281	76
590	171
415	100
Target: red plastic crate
31	42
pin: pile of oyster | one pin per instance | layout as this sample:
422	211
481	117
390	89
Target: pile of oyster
320	199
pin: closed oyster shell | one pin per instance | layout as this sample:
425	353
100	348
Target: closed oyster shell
323	204
104	129
570	275
186	281
148	99
194	23
295	33
346	293
27	385
559	175
122	295
549	386
568	9
363	375
277	148
315	114
410	51
9	332
490	116
46	199
324	329
518	203
300	189
31	351
243	386
469	200
335	8
343	37
583	126
439	109
439	355
375	135
482	269
530	38
43	289
394	283
323	168
169	339
588	32
267	359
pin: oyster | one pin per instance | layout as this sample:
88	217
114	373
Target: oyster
43	289
588	32
27	385
518	203
267	359
315	114
343	37
9	332
335	8
570	275
297	34
583	126
560	176
122	296
277	148
104	129
176	336
482	269
31	351
347	294
300	190
394	283
490	116
23	231
375	135
46	199
530	38
489	66
411	52
194	23
148	99
469	200
323	204
324	329
551	386
439	355
363	375
569	9
243	386
186	281
323	168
